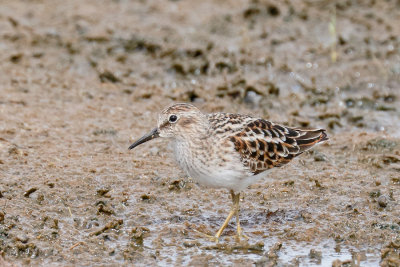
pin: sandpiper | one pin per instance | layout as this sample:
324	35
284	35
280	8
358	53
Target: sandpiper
224	150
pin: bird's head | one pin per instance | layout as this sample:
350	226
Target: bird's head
179	121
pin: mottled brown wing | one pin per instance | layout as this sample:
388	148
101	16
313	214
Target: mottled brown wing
263	145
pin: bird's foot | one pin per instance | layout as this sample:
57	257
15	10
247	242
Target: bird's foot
240	236
212	238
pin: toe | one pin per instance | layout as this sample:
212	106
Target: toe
210	237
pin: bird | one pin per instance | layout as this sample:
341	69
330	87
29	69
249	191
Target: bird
226	150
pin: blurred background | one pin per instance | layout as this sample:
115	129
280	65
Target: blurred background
80	80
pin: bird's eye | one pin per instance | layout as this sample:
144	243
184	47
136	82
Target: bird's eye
172	118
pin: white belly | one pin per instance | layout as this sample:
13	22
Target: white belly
212	173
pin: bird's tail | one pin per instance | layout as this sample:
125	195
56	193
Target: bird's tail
310	137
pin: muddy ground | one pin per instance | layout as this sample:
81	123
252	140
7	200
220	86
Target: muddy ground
80	80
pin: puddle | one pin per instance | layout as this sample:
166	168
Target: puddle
326	253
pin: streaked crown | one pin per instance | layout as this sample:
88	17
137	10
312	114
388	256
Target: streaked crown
181	120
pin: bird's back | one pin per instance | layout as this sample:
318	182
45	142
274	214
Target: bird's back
262	144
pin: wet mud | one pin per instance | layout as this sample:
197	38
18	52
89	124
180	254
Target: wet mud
80	80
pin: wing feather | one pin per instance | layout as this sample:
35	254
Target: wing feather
263	145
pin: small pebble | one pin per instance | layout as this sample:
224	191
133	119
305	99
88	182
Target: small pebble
23	238
252	98
382	201
190	244
319	157
315	254
30	191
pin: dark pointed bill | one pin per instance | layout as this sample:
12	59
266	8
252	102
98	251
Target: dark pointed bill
147	137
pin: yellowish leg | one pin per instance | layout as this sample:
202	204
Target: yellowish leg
234	211
222	228
225	224
239	229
